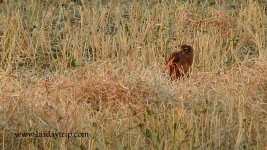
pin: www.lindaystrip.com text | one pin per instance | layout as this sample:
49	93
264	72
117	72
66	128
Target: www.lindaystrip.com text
51	134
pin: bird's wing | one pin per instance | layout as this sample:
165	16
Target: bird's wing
172	55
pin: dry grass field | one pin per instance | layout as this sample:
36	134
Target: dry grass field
97	67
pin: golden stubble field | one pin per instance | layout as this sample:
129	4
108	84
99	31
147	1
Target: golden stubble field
97	67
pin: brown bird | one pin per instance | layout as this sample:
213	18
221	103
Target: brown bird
179	63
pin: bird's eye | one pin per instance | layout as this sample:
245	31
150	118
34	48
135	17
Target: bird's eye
186	50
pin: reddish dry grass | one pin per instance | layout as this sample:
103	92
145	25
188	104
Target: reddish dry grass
69	101
220	21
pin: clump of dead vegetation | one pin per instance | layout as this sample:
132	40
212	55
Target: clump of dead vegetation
77	100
